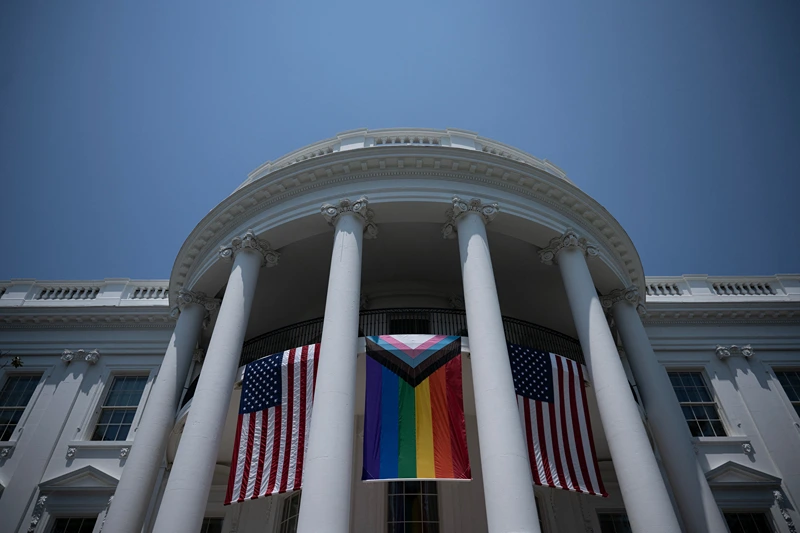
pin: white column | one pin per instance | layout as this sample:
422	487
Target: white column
689	485
643	491
135	488
328	467
186	493
507	481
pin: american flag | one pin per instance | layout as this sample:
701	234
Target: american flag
555	417
274	417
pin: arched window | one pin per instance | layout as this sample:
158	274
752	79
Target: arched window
413	507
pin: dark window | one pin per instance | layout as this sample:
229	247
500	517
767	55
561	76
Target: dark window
410	326
119	408
74	525
211	525
699	408
790	381
614	523
748	523
291	510
413	507
14	397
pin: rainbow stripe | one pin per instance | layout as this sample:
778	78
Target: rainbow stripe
414	431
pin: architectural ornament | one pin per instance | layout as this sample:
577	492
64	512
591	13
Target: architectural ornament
123	453
90	357
569	239
71	452
461	207
360	208
630	295
5	452
186	297
38	511
723	352
249	241
199	355
747	448
780	499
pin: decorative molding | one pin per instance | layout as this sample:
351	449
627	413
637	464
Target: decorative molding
90	357
457	301
71	452
570	239
199	355
780	499
38	511
105	513
187	297
360	208
249	241
747	448
630	295
724	352
658	314
363	302
5	451
461	207
123	452
67	356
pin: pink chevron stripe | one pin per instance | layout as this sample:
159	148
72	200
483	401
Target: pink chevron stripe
412	352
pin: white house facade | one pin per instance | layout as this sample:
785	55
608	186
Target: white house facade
123	413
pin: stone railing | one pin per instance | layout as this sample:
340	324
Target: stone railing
719	289
355	139
109	292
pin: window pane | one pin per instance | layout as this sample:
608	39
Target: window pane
614	523
748	523
14	397
412	507
697	404
74	525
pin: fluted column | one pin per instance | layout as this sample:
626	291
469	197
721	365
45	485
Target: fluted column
689	485
186	494
135	488
328	468
507	481
643	490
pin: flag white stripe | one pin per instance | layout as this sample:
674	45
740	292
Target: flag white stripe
295	421
569	401
584	425
284	413
560	393
241	459
251	479
265	481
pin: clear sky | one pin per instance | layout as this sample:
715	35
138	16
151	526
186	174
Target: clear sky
123	123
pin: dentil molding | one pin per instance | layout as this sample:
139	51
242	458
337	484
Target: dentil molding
249	241
630	295
570	239
359	208
461	207
724	352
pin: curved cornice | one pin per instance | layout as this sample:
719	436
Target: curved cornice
378	163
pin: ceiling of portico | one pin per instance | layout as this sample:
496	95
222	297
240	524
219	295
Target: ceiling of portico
408	265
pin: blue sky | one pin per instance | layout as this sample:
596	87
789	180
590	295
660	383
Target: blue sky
123	124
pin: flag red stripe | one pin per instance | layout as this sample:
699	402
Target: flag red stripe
289	421
561	481
234	461
600	489
261	453
298	473
455	409
542	447
573	479
276	449
251	429
526	408
576	426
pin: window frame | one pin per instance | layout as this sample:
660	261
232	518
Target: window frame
712	392
101	394
389	495
749	510
608	511
773	374
51	526
282	518
221	522
44	373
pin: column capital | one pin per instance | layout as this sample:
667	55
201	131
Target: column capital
630	295
570	239
724	352
461	207
187	297
249	241
359	208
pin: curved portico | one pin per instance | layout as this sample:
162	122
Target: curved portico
530	246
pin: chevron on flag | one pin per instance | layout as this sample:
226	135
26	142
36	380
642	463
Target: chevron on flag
272	429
